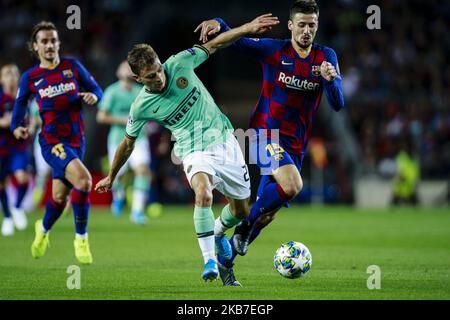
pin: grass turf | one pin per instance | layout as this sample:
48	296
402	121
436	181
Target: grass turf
162	260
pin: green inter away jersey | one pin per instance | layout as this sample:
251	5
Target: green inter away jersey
34	113
185	107
117	101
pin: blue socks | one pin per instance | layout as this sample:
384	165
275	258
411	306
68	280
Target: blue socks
4	203
52	212
81	206
272	198
21	192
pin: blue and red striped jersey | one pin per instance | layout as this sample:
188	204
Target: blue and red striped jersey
292	88
8	142
56	93
6	137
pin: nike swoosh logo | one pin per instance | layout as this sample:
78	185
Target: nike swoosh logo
284	63
156	110
38	82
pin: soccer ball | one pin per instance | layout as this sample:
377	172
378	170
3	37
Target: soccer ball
292	260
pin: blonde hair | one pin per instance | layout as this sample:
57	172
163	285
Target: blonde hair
140	57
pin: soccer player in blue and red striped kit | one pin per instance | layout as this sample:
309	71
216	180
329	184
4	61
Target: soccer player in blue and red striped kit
15	156
296	71
6	138
56	85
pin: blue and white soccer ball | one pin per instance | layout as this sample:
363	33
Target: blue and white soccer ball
292	260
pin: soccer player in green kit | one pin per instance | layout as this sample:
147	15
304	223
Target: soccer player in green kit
113	110
174	97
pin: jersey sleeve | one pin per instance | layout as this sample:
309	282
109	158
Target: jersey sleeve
192	57
21	103
106	102
87	81
258	48
134	124
333	89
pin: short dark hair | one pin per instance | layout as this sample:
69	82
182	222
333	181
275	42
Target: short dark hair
43	25
140	57
303	6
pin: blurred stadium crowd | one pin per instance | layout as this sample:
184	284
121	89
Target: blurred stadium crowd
396	80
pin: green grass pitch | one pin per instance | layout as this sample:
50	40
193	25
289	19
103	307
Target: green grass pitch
163	261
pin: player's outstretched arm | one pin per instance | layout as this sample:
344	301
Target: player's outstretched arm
121	156
105	117
258	25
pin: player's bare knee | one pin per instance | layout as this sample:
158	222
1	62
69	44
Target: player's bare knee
203	196
21	177
60	198
23	180
84	183
290	191
293	188
299	186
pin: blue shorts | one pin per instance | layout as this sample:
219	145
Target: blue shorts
14	162
58	157
268	154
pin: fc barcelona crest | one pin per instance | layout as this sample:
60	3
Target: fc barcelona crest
68	73
316	71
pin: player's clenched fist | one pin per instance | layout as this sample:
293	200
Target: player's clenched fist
21	133
88	97
328	71
103	185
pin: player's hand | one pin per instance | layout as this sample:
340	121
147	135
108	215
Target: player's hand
261	24
88	97
207	28
104	185
5	121
21	133
328	71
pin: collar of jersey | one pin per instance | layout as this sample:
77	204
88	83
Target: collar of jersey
50	69
305	59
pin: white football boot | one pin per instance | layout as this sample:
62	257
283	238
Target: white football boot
19	218
7	227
